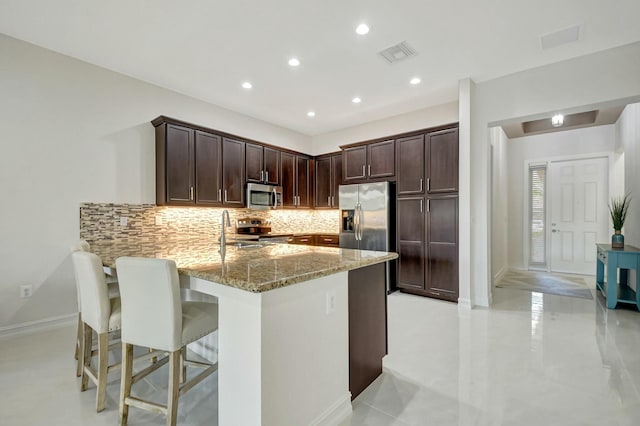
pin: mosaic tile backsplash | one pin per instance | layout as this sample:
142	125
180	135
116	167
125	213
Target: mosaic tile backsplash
148	222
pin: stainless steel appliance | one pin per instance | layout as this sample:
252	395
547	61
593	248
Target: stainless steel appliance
257	229
263	197
367	214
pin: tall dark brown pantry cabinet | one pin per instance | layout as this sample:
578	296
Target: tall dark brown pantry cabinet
427	213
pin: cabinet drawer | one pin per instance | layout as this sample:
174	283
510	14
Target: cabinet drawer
302	239
328	240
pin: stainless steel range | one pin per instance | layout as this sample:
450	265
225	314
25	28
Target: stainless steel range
257	229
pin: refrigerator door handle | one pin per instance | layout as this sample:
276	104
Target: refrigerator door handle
358	218
360	221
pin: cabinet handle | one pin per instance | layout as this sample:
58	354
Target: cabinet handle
428	184
420	184
328	240
363	173
261	175
266	179
225	195
220	195
304	240
369	170
333	201
420	206
191	193
329	200
428	206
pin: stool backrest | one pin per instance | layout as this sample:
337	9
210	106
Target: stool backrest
151	305
92	287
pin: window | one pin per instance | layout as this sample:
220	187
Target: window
537	214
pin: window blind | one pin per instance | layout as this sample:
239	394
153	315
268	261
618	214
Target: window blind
537	214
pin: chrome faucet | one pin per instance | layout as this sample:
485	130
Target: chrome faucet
223	238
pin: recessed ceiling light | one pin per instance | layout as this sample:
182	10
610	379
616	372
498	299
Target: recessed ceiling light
415	80
557	120
247	85
362	29
311	114
294	62
356	100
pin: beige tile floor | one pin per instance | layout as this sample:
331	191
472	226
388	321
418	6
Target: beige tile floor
532	359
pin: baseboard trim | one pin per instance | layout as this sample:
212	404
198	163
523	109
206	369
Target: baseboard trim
336	413
38	326
464	304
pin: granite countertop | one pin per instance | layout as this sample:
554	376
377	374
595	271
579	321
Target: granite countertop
255	267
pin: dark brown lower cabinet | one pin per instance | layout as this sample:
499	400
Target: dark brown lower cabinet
428	246
367	325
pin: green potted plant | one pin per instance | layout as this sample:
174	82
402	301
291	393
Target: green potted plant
618	209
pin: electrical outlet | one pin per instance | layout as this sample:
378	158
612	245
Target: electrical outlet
26	291
331	302
124	221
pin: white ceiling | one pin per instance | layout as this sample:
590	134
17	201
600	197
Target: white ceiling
207	48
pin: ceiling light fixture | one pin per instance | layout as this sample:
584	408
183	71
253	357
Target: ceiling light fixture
415	80
247	85
294	62
356	100
311	114
557	120
362	29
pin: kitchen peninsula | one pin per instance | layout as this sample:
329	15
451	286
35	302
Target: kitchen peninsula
285	318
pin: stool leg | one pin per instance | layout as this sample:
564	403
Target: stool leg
174	387
103	363
79	346
86	357
125	381
183	365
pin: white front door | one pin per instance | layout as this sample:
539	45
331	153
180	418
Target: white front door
579	213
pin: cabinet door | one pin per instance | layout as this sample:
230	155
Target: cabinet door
442	161
336	179
179	165
272	166
354	163
253	163
382	160
323	183
233	172
411	243
442	248
208	164
303	171
410	156
288	178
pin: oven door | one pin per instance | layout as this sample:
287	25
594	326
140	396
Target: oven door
263	197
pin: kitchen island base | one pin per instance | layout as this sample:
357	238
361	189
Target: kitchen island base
283	355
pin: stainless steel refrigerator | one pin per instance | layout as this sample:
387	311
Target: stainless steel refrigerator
367	214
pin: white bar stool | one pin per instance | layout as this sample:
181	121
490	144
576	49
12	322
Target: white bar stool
154	316
114	292
99	313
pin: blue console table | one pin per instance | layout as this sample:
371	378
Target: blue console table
614	259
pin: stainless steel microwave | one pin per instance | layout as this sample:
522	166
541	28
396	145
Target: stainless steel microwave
263	197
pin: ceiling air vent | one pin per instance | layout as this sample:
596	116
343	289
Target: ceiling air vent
398	52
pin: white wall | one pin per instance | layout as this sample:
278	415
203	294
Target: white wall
416	120
500	203
73	132
610	77
628	137
570	143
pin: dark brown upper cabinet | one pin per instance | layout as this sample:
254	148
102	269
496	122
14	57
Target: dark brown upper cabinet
442	161
197	168
233	172
375	161
296	173
328	177
262	164
208	161
410	155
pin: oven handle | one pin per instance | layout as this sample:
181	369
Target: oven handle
275	199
